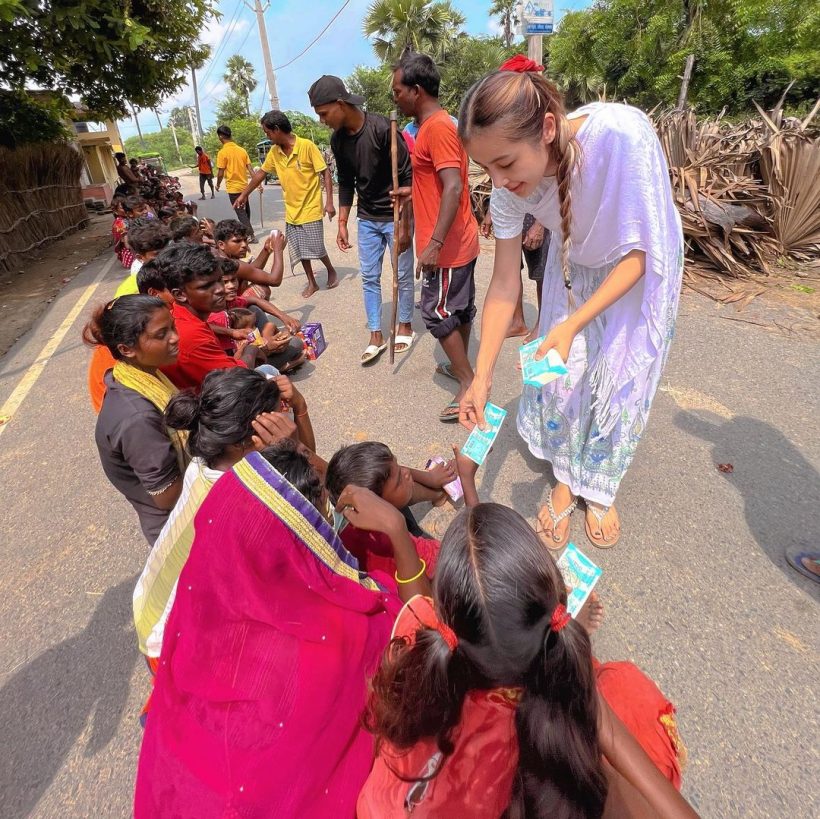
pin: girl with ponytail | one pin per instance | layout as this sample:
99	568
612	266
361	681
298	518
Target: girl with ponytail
489	703
598	180
142	458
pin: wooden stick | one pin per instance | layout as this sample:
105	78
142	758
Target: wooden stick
261	215
394	256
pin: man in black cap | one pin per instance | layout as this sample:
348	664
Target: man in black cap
361	145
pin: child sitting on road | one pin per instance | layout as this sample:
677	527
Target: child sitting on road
119	233
186	229
136	208
167	215
146	237
285	351
231	239
373	466
150	282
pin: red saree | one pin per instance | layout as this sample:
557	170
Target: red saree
264	666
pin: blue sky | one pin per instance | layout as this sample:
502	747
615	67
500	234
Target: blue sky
291	26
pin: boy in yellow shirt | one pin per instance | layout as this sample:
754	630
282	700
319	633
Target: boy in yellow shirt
299	164
234	166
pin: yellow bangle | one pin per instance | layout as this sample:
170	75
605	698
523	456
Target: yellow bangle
415	577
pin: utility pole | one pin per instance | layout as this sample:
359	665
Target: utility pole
159	121
196	102
259	11
176	143
139	130
195	135
535	48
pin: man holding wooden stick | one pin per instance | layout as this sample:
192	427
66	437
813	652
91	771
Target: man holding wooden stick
446	230
361	146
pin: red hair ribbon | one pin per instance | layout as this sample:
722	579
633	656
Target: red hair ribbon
560	617
521	65
448	634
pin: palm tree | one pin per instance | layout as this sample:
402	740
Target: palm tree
507	11
421	25
240	79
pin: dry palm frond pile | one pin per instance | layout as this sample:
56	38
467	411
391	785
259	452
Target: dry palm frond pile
42	201
747	193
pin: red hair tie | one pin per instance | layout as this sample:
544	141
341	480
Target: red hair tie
448	634
560	617
521	65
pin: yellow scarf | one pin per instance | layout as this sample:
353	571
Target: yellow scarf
158	390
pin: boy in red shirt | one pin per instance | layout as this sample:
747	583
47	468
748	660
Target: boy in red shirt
206	171
194	277
446	230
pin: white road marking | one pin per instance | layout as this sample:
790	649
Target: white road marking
35	370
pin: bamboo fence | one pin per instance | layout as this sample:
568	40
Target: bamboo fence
42	201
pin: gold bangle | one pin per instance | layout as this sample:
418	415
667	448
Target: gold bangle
301	414
415	577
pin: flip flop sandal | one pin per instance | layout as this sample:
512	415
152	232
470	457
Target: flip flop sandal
446	370
406	340
599	516
449	417
549	540
372	352
795	560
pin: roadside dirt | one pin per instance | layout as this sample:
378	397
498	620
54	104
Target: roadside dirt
26	292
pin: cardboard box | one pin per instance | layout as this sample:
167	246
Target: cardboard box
314	338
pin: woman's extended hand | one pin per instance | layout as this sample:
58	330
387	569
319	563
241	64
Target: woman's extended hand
471	406
270	427
560	339
367	511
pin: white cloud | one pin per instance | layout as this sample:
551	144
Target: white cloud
217	30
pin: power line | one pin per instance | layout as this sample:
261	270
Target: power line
229	31
208	96
315	39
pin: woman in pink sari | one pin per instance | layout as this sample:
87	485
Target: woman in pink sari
262	677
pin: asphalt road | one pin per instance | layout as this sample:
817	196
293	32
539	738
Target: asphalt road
697	592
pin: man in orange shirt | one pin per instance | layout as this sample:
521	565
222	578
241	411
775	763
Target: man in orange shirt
206	171
446	230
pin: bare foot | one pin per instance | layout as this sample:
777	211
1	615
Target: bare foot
554	535
309	290
442	498
517	330
332	279
592	614
531	335
603	531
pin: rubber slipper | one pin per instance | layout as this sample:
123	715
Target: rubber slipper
448	417
406	340
445	369
599	516
372	352
795	560
549	540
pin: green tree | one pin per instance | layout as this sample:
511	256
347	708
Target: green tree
108	53
246	132
470	59
162	142
374	85
421	25
179	118
507	12
239	76
743	50
309	127
230	107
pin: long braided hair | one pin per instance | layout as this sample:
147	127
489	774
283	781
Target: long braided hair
518	103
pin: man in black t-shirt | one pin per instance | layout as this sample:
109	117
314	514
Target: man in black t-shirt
361	146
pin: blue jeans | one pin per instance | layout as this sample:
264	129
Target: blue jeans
374	239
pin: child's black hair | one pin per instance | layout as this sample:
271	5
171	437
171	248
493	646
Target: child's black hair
366	464
235	314
121	321
230	267
228	229
150	278
182	227
145	235
223	412
184	262
284	456
131	203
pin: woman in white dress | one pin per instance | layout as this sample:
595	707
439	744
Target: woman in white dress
597	179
